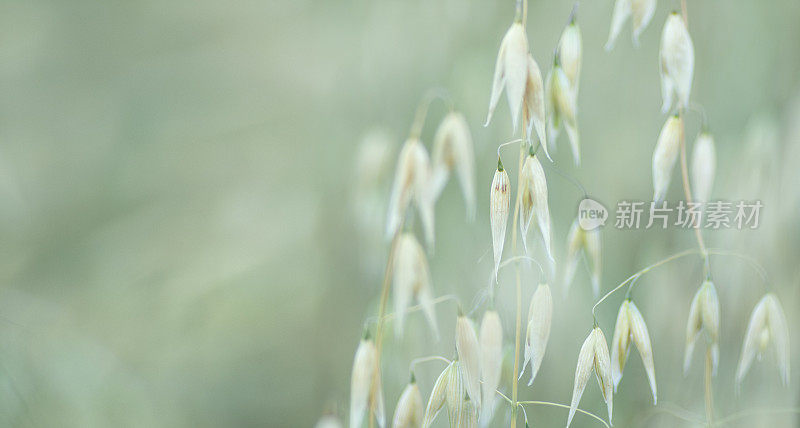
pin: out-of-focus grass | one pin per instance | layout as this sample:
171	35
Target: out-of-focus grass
177	245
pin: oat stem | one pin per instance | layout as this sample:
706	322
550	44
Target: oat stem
709	393
419	360
415	308
518	328
564	406
422	109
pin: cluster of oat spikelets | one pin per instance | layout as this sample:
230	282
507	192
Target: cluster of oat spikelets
467	389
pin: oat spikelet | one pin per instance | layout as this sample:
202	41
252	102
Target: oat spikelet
510	72
412	182
767	326
704	165
630	327
570	52
593	356
665	155
408	413
363	375
621	13
438	395
677	63
456	390
562	107
534	103
453	150
491	340
586	242
469	354
467	417
534	202
499	197
642	11
703	316
540	315
412	278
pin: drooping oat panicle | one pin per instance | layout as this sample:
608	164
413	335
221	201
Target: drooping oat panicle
570	53
491	340
361	381
438	395
630	327
642	11
665	155
593	356
586	242
469	355
499	197
703	316
767	326
510	72
621	13
408	413
328	421
534	202
453	150
540	315
534	103
412	182
412	278
677	63
561	104
704	165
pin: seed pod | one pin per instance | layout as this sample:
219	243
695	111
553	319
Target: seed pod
412	182
411	278
562	105
328	421
642	11
534	103
621	13
665	155
703	316
438	395
453	150
631	327
408	413
540	315
491	339
570	53
767	325
499	197
593	356
510	72
677	63
704	165
588	242
469	355
361	391
534	202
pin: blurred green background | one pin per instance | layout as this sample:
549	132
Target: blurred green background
182	242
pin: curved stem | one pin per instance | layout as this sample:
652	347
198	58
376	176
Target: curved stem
753	262
415	308
422	109
564	406
518	325
419	360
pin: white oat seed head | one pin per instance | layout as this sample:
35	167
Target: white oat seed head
510	72
621	13
534	203
540	316
412	278
642	11
408	413
469	355
630	327
467	417
677	63
361	392
593	356
456	390
534	113
412	182
561	103
499	198
438	395
703	316
570	53
665	155
586	242
453	150
491	340
767	326
704	166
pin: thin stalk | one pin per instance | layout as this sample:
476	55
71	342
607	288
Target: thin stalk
709	393
518	325
564	406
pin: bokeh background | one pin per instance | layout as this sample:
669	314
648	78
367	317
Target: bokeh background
183	241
